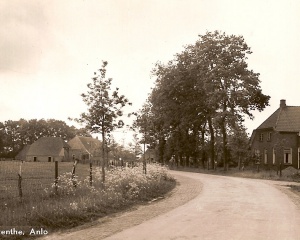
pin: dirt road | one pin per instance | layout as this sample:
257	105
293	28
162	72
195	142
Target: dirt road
226	208
203	207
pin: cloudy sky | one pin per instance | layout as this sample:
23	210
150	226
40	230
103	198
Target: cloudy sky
49	49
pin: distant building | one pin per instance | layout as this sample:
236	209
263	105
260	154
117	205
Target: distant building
277	140
150	156
22	154
85	148
46	149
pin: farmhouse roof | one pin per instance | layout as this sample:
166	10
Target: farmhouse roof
285	119
22	154
50	146
87	144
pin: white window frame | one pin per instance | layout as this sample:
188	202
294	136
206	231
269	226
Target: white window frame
269	136
266	156
287	156
274	156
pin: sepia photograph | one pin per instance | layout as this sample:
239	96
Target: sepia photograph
149	119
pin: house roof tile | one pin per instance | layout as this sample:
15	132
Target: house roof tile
22	154
50	146
85	144
284	119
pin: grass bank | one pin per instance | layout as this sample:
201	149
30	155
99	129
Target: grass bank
287	174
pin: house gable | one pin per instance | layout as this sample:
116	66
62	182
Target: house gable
85	147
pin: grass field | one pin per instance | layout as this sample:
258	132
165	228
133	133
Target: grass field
36	176
69	206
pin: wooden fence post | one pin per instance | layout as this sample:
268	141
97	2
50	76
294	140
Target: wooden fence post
91	174
73	173
56	177
20	182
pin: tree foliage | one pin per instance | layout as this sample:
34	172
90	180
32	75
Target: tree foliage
14	135
104	108
203	94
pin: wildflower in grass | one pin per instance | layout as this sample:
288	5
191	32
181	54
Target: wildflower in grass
74	205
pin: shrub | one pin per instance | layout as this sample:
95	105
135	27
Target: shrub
72	201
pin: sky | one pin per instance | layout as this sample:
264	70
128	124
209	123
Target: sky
50	49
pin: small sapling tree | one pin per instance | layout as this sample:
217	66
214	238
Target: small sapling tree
104	108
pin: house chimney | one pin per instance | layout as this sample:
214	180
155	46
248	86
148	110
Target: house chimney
282	103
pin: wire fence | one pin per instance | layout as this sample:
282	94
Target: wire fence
28	180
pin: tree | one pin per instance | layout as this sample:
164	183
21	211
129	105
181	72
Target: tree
104	108
206	88
14	135
136	146
232	90
144	122
238	142
178	101
2	136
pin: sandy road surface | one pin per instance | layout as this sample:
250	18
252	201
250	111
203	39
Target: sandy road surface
186	190
203	207
226	208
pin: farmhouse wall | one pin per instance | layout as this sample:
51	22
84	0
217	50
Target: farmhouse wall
277	142
45	158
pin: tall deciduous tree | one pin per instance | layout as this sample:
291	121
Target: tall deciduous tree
207	87
232	89
104	108
144	122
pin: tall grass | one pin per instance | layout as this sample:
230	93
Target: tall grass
36	176
67	206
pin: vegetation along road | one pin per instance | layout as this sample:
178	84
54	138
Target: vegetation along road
220	208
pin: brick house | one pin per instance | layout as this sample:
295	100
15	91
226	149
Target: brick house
277	139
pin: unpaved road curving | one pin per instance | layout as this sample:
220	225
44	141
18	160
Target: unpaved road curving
219	208
227	208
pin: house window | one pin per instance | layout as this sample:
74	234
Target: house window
269	136
34	159
274	156
261	137
287	158
266	156
49	159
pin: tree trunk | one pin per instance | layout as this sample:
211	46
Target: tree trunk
103	155
144	160
202	142
224	137
212	141
161	147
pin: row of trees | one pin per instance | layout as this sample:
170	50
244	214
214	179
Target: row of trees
195	111
200	99
14	135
